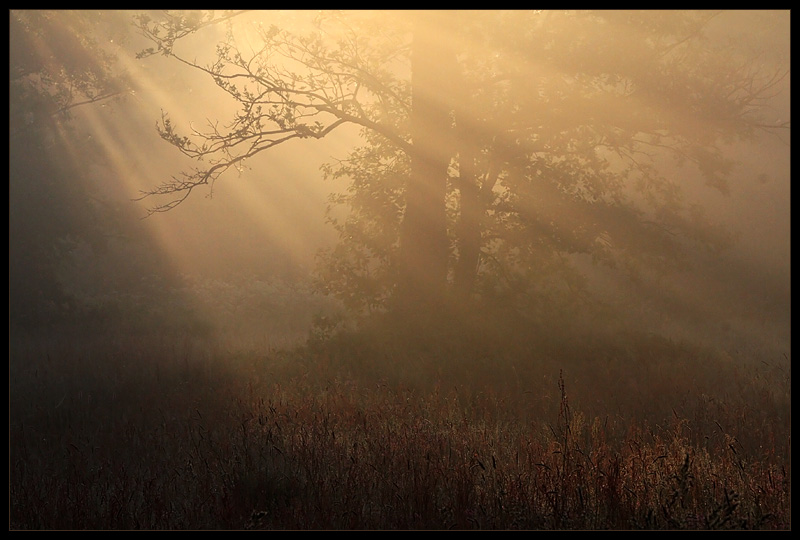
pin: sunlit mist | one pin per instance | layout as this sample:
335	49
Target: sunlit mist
399	270
268	212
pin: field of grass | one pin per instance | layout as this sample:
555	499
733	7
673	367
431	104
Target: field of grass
114	433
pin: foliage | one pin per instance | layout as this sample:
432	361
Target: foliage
563	124
59	60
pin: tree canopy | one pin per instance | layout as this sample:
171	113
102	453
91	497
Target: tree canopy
77	254
55	65
499	148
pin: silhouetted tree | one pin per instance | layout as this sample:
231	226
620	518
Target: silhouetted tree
61	219
55	65
496	144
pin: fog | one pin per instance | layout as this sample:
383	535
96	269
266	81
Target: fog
253	237
382	270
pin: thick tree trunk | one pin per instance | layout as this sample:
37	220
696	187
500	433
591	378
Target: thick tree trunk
424	245
471	203
468	230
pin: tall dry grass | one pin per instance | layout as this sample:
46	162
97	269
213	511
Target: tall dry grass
117	434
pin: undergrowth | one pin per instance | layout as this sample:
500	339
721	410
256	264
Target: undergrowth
181	435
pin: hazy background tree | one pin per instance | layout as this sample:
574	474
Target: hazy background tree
53	68
79	257
536	141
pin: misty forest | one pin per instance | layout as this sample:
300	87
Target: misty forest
399	270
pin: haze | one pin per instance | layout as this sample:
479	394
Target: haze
267	221
291	269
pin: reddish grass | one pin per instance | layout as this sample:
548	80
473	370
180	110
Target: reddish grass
117	435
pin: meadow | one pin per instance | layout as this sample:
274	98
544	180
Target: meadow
126	433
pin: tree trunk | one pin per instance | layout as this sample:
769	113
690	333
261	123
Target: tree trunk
471	203
424	246
469	228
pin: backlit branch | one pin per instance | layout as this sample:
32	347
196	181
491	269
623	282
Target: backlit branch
293	87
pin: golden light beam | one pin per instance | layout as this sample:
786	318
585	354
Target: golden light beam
134	154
